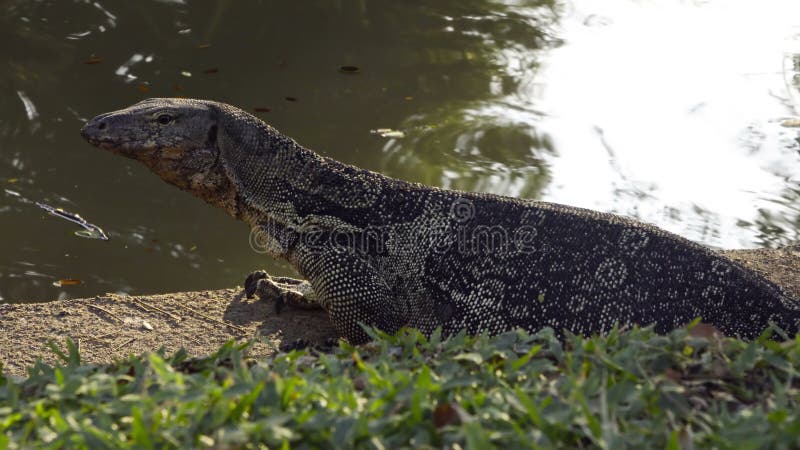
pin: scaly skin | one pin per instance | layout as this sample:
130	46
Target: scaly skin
389	253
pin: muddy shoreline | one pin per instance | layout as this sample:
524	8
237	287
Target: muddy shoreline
113	326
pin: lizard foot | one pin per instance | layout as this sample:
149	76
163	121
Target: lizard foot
284	290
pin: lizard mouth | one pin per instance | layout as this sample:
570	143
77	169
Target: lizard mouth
104	143
112	145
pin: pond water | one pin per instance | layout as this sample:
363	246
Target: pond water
680	113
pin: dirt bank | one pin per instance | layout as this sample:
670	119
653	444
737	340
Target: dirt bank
112	326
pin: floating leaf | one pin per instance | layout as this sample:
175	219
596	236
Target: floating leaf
143	88
67	282
12	180
349	69
93	60
291	99
211	71
388	133
791	123
92	234
408	98
203	46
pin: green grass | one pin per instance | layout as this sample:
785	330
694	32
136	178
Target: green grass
630	389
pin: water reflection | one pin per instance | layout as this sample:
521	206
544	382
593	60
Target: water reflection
665	110
689	98
487	140
470	152
624	114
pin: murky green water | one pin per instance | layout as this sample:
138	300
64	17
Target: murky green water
670	111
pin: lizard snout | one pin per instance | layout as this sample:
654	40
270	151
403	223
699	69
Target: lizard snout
101	132
95	128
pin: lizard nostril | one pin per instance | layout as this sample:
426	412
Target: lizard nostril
102	126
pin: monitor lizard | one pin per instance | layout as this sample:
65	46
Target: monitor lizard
389	253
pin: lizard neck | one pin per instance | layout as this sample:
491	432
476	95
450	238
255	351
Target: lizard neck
279	183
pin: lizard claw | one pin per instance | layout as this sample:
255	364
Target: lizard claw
284	290
261	284
251	283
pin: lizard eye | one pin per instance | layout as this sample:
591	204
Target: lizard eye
164	119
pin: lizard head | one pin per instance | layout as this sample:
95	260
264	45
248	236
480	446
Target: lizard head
175	138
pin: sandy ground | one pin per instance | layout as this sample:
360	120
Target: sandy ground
112	326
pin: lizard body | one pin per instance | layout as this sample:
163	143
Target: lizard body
389	253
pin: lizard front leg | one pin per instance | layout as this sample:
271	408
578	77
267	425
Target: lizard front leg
284	290
352	292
